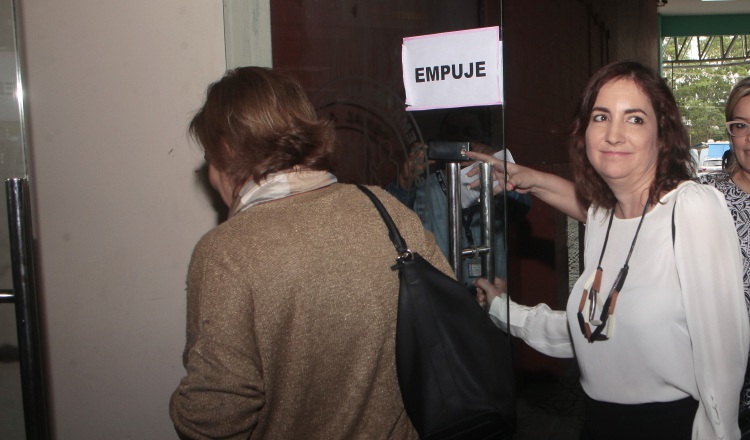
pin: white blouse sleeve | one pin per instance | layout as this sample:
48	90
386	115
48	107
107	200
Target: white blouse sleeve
543	329
709	267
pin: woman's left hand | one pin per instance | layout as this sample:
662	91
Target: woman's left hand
487	292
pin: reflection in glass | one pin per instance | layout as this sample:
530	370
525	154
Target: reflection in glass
12	164
348	58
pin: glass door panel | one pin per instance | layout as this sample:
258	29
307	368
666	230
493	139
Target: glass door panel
12	164
348	58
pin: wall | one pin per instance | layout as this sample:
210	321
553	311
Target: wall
111	86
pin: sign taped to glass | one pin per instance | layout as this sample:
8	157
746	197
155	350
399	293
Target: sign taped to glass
453	69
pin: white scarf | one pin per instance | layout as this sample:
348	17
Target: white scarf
279	185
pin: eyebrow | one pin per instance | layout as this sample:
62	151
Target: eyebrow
627	111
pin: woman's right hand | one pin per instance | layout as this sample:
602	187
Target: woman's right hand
520	178
550	188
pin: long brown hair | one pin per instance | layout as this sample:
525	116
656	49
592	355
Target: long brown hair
674	163
257	121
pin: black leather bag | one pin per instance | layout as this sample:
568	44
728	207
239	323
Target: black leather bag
454	365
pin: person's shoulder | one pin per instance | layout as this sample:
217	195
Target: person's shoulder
720	181
597	216
391	203
696	196
233	233
401	214
706	179
216	236
692	188
714	179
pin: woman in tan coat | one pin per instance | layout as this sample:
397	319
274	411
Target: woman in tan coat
292	301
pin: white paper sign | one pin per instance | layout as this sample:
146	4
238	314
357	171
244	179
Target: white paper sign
453	69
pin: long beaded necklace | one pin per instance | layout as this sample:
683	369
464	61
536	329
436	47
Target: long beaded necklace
589	299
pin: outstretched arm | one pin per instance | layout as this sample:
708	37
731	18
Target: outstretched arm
550	188
543	329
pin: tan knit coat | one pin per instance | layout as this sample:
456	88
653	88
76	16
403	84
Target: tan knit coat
291	322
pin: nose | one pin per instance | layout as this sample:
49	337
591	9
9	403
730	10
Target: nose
614	134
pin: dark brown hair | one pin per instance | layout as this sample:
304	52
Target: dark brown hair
257	121
739	91
674	163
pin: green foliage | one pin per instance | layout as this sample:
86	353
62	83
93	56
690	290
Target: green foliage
701	85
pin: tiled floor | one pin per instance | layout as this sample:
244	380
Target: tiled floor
550	408
11	405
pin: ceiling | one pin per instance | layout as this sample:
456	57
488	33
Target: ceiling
698	7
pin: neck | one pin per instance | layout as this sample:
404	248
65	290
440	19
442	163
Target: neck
278	186
631	194
741	178
630	204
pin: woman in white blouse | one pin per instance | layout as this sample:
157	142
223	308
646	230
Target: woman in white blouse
657	320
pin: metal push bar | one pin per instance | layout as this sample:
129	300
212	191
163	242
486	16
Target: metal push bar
485	249
24	295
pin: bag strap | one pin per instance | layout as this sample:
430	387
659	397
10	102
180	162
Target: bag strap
674	205
393	233
673	228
